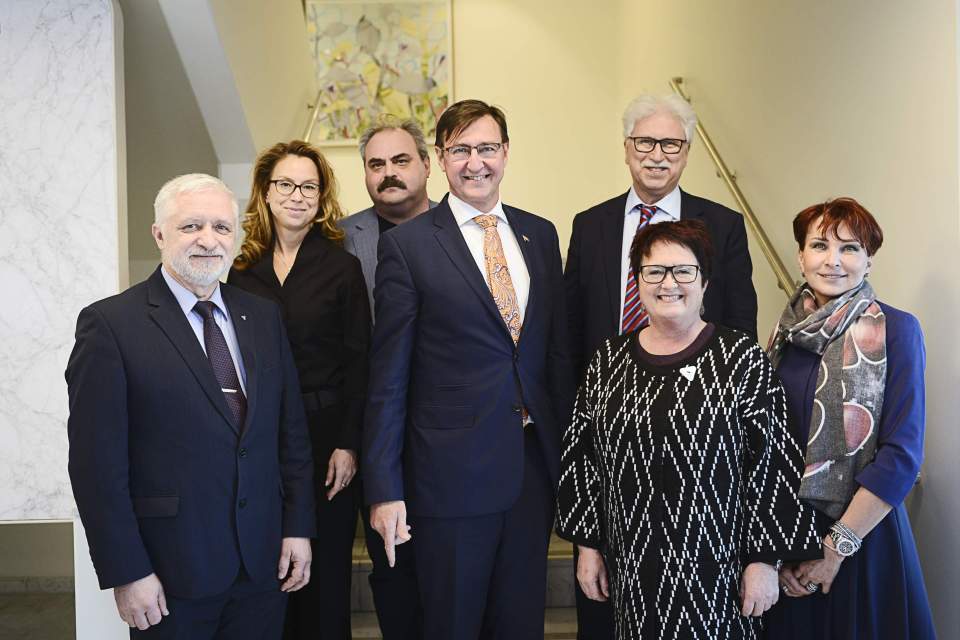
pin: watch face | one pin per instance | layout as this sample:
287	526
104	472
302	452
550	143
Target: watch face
845	548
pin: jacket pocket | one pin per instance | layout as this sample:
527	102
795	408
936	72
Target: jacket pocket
156	506
429	416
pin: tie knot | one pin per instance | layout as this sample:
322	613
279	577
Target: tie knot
486	221
205	309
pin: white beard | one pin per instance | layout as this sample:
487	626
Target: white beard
198	275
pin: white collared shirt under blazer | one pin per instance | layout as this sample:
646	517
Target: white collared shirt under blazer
683	477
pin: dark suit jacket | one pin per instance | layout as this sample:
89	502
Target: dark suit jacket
443	427
592	275
163	479
323	302
363	233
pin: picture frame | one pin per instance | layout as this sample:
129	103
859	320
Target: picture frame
377	57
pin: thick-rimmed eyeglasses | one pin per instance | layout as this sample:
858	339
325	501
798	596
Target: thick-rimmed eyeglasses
463	151
669	146
656	273
308	190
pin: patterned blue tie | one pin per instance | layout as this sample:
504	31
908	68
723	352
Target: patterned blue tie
223	367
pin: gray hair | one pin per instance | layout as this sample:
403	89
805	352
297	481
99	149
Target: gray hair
645	105
387	122
189	183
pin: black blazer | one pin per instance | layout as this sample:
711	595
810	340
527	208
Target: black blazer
592	274
443	427
165	482
324	306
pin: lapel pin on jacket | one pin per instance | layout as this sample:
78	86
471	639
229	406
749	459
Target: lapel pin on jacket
243	317
525	238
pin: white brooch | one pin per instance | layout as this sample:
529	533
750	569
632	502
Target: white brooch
688	371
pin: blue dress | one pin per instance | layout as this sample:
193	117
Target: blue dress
878	593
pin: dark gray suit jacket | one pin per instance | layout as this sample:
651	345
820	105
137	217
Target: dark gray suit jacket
363	234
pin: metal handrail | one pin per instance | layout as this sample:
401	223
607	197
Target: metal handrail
786	283
315	111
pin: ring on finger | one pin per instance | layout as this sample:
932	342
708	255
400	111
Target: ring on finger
785	588
812	587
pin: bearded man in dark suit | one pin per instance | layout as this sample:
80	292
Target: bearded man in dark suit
189	454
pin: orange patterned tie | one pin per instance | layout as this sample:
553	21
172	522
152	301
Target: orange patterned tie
498	276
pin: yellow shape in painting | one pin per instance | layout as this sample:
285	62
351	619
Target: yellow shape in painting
371	74
410	27
341	50
395	102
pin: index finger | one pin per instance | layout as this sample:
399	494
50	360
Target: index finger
389	545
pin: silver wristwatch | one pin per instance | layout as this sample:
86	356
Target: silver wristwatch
845	541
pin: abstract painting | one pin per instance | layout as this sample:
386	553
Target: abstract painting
375	58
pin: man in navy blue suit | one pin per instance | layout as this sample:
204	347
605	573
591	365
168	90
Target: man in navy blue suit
189	453
470	388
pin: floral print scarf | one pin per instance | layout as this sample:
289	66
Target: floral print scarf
849	333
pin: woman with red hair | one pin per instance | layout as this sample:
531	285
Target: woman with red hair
852	368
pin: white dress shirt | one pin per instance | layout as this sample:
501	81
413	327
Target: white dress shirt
668	210
221	315
473	236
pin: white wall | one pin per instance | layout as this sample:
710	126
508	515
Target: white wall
63	241
165	132
60	247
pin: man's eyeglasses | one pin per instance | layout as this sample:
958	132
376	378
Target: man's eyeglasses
308	190
657	273
669	146
463	151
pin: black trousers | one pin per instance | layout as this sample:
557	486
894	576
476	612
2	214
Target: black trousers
484	577
246	611
321	610
396	594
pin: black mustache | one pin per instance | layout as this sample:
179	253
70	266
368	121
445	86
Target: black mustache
390	181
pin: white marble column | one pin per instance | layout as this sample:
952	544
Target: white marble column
61	237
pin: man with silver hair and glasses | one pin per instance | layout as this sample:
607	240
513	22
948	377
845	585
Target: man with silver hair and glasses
602	294
189	453
396	166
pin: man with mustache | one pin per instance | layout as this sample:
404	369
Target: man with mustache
189	454
396	166
601	292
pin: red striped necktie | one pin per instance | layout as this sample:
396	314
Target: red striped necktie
634	315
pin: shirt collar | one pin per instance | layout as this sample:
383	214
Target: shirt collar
464	213
668	204
187	299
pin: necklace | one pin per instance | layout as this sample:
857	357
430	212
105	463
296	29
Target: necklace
284	266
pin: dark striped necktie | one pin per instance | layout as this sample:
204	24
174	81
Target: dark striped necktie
634	315
223	367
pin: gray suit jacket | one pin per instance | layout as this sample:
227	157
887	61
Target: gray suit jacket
363	234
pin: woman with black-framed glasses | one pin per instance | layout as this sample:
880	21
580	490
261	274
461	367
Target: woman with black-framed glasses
292	254
679	476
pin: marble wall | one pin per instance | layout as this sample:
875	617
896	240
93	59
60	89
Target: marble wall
60	228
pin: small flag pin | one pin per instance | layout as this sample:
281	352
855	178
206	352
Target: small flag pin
525	238
243	317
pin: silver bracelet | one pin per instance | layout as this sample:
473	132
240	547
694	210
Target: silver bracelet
845	540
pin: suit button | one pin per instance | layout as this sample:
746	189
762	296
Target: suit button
243	453
516	357
243	503
517	408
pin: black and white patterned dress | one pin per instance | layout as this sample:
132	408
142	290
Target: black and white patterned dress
683	474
